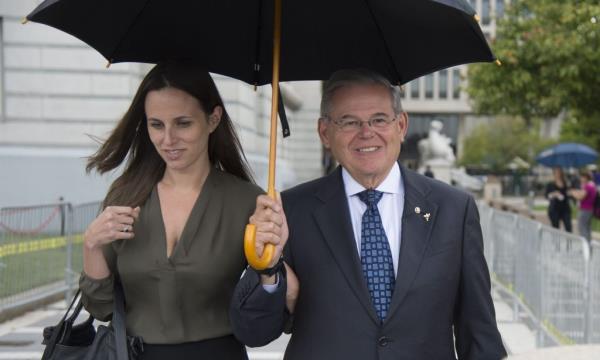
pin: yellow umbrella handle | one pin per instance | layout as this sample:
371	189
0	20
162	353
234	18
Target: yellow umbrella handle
258	263
262	262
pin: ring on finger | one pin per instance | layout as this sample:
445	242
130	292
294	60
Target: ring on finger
126	228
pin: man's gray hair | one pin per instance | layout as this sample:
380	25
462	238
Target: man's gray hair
350	77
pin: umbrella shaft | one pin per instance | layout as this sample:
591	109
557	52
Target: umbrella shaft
274	97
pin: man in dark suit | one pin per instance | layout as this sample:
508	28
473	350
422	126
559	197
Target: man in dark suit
390	263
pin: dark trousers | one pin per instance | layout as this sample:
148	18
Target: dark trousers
557	216
225	348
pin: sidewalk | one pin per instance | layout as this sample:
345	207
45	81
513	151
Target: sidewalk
518	338
520	341
20	337
573	352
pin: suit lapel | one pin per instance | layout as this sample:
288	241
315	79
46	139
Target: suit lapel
416	234
333	219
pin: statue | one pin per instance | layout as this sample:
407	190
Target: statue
437	156
435	148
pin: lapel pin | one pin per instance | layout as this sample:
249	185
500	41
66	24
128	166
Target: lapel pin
418	210
426	216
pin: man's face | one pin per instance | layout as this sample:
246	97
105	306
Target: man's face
368	152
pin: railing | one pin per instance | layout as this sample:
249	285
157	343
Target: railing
40	251
551	277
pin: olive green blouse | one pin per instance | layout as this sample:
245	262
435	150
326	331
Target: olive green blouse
185	297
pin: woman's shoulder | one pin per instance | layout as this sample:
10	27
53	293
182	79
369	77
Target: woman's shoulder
590	189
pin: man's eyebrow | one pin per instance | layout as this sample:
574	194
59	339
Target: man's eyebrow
350	116
380	114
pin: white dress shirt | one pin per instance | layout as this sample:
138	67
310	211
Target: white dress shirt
390	208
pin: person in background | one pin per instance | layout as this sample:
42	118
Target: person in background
558	206
586	196
595	175
428	172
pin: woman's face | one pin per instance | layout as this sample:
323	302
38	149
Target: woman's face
583	179
179	128
557	173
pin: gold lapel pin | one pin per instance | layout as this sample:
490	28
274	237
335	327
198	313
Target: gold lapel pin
426	216
418	210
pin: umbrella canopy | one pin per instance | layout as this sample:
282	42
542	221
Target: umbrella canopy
402	40
267	41
567	155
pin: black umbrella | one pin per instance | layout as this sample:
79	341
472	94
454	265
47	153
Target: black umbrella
401	39
247	39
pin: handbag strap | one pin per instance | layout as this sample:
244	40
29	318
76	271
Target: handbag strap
59	329
118	322
77	310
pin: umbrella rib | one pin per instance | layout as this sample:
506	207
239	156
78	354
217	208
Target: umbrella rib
385	44
110	59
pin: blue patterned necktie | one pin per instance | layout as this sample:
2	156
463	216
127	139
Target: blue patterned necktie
375	254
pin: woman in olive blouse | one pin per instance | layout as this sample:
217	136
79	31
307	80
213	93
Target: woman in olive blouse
172	226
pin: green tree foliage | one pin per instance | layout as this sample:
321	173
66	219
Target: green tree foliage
550	54
495	144
585	130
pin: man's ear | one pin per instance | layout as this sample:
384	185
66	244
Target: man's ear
323	126
403	124
214	118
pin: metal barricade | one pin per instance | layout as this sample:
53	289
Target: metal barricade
81	216
32	253
40	250
564	262
485	216
502	231
549	274
594	294
528	266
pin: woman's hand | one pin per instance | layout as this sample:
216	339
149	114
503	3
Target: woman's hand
114	223
293	289
556	195
576	193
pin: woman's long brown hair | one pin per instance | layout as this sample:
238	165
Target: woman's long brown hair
130	140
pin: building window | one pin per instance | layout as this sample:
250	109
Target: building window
485	12
456	84
414	89
443	84
499	8
429	86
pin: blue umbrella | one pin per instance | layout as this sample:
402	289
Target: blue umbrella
567	155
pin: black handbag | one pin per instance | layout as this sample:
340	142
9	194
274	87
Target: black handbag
66	341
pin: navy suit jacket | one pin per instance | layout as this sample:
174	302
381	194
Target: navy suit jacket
441	305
